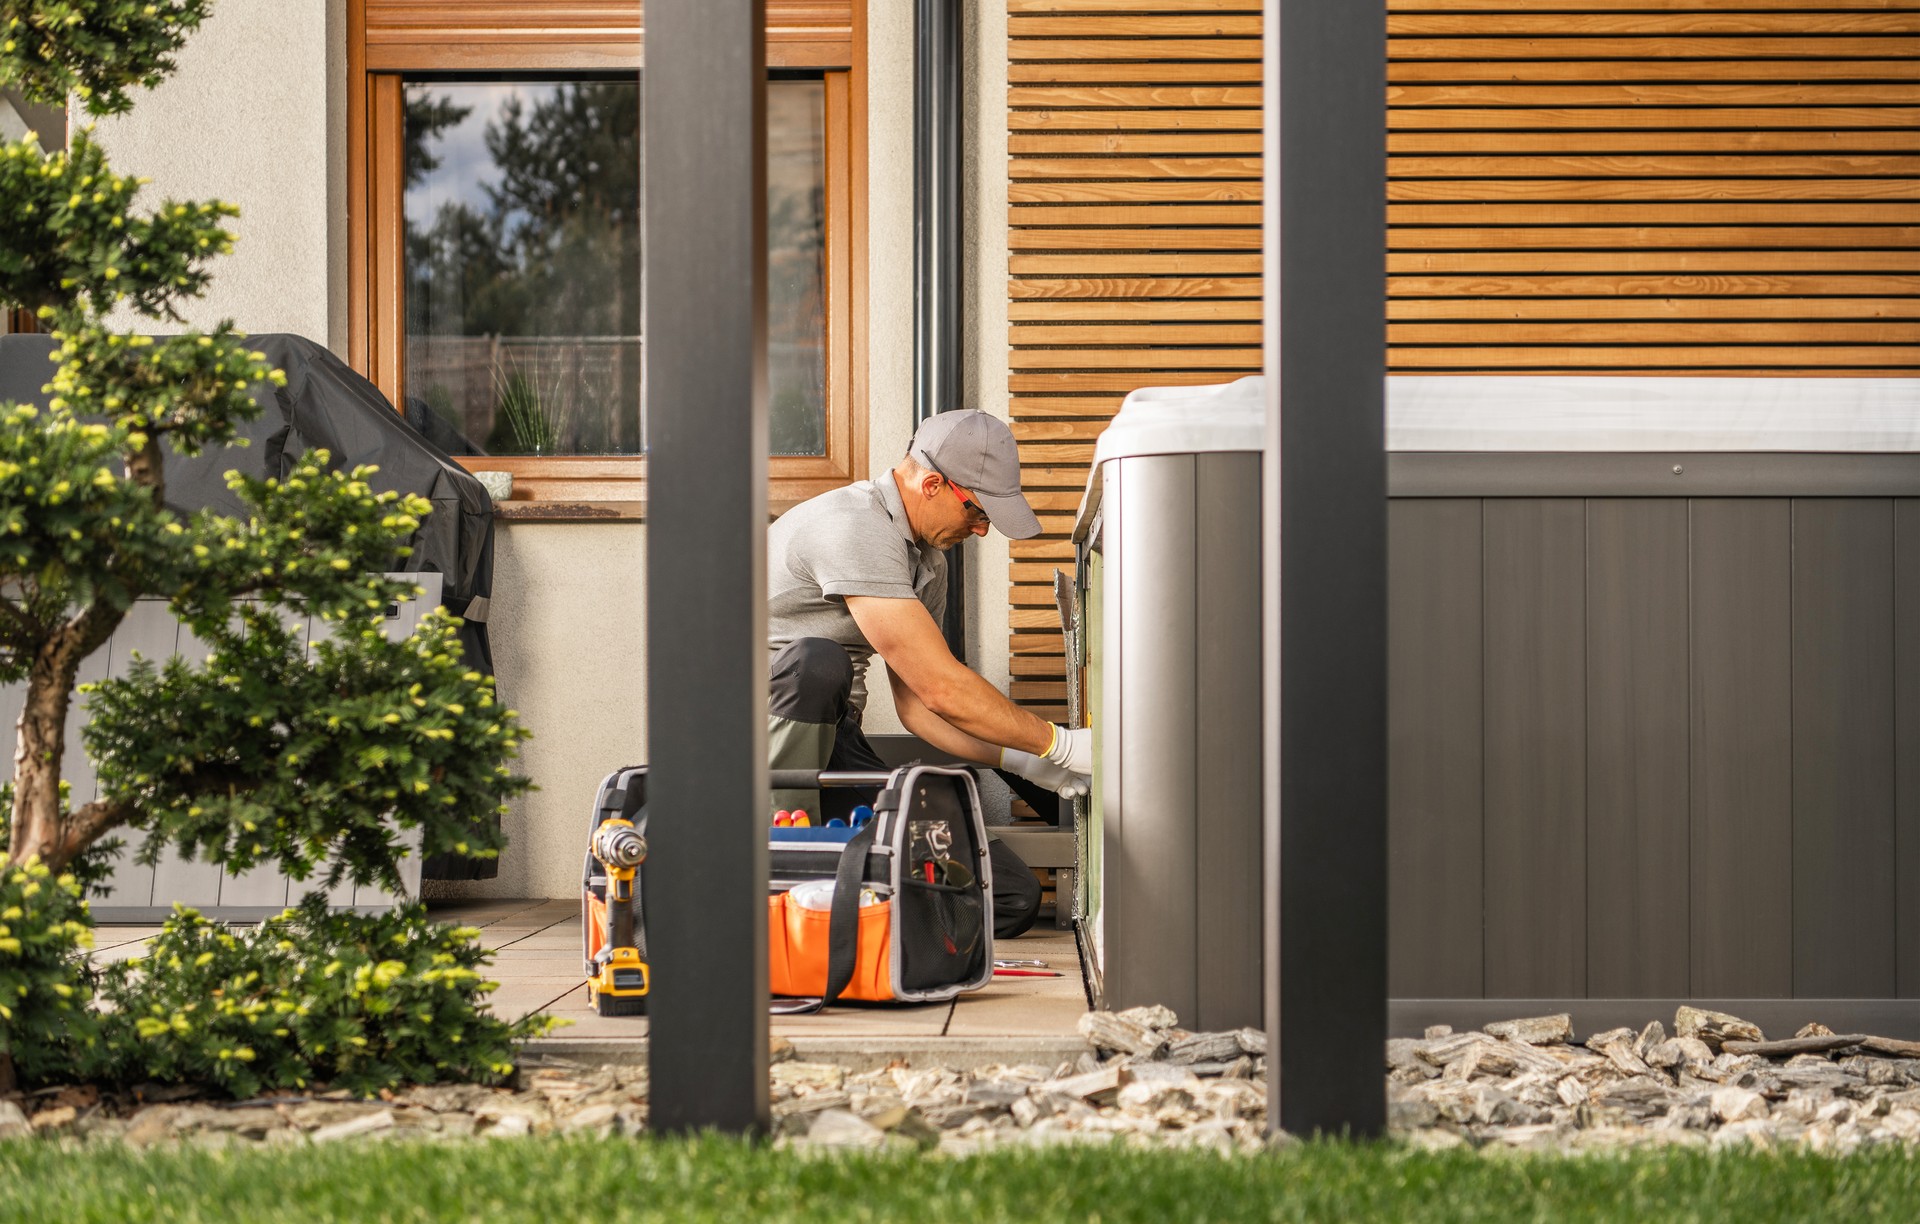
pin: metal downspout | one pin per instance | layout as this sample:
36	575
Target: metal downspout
939	298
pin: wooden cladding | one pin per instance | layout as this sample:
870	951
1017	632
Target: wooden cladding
1725	188
1133	192
574	35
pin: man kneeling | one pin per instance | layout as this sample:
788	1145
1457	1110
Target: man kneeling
862	570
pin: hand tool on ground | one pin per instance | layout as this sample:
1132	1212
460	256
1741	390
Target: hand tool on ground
619	984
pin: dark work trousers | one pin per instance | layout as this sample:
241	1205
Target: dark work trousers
811	724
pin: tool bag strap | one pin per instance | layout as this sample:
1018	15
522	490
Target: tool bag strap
843	928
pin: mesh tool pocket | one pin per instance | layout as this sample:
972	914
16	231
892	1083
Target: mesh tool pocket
940	934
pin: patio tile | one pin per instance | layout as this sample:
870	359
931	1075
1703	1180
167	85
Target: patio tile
1018	1008
927	1020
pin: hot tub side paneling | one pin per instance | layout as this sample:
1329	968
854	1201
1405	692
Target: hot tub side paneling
1181	710
1651	750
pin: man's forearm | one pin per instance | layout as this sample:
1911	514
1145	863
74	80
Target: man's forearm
930	726
976	708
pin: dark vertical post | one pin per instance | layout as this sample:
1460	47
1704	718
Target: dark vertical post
939	295
1325	508
704	144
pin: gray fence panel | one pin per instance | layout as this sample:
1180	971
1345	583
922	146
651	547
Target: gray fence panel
1434	847
1906	721
149	632
1843	843
1636	747
1535	747
1741	675
266	885
191	882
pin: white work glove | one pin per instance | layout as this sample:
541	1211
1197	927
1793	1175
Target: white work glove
1072	750
1039	769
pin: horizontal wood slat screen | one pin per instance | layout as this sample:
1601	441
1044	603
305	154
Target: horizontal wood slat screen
1653	186
1134	193
1629	187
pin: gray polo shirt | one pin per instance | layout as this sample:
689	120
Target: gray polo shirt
850	541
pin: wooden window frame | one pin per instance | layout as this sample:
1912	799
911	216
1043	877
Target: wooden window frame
389	40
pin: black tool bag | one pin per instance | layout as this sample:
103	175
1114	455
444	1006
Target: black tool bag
932	941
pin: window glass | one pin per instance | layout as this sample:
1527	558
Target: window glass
522	236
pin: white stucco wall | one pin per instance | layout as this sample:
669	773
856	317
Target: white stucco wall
256	116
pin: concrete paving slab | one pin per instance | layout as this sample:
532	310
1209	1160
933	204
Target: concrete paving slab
537	964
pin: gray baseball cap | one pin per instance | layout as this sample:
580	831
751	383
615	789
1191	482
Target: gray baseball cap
976	451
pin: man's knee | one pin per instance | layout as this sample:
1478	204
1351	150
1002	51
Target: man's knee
810	680
1016	892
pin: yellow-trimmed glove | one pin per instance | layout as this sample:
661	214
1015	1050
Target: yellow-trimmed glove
1039	769
1072	750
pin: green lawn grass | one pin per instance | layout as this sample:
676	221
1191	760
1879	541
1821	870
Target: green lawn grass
556	1180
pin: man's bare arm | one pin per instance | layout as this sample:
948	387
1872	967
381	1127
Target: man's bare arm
935	730
904	635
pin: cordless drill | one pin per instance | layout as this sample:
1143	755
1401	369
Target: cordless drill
618	984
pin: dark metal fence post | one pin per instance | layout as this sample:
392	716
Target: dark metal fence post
704	154
1325	508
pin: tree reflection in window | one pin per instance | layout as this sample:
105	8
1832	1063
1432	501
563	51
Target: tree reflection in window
522	238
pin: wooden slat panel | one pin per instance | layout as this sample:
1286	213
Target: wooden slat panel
1568	213
1558	261
1144	25
1643	237
1245	335
1119	380
1136	214
1484	50
1136	359
1066	406
1174	192
1678	69
1603	6
1578	143
1119	50
1636	768
1516	358
1586	286
1675	166
1511	120
1245	72
1134	144
1843	768
1201	264
1434	835
1247	287
1132	6
1145	96
1135	238
1740	677
1535	823
1141	167
1657	22
1245	119
1507	190
1083	310
1660	332
1718	91
1672	308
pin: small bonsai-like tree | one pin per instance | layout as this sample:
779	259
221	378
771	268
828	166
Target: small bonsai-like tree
266	751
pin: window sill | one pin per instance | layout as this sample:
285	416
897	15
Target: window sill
520	510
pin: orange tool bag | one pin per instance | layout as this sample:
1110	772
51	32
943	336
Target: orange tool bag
897	908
